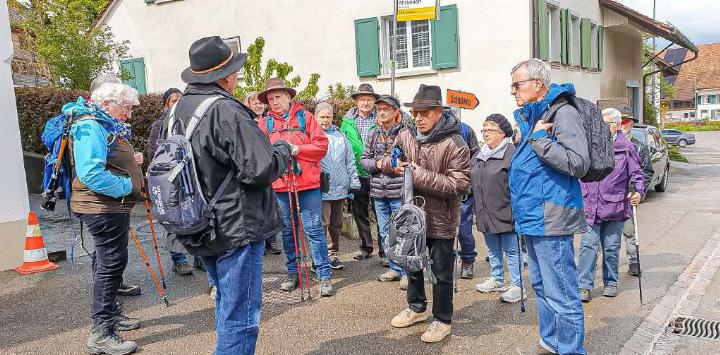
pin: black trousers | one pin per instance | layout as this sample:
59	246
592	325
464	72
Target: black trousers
442	255
110	236
361	207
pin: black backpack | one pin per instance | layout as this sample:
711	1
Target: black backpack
597	132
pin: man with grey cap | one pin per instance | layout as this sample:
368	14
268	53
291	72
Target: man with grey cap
231	151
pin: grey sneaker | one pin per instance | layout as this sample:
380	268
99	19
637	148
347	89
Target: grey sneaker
634	269
389	276
585	295
182	268
124	323
326	288
404	282
103	340
610	291
466	271
532	350
512	295
336	264
491	285
128	290
290	283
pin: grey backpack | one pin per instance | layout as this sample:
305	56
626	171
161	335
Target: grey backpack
406	239
173	185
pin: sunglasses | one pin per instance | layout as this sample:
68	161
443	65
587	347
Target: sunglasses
516	85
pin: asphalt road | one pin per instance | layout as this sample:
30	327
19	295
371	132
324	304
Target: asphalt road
49	312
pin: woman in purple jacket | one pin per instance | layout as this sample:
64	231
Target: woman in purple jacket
607	206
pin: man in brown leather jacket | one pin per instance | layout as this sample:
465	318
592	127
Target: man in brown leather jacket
441	175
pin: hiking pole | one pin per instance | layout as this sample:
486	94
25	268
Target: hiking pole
159	289
637	244
49	197
161	271
295	241
301	230
455	263
520	269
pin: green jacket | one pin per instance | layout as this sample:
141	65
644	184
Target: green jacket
349	128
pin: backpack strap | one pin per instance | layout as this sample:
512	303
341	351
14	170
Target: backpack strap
199	114
301	120
549	115
270	121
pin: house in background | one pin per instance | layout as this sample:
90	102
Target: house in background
595	44
27	69
697	85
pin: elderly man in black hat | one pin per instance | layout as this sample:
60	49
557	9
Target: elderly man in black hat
231	150
356	126
441	175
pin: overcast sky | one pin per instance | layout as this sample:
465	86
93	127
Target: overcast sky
697	19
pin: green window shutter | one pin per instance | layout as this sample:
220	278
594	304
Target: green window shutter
585	44
699	100
565	36
149	1
601	46
543	32
128	71
367	49
135	70
444	33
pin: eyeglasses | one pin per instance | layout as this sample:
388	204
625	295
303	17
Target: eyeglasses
127	109
489	130
516	85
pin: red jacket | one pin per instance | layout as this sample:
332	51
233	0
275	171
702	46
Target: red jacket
313	146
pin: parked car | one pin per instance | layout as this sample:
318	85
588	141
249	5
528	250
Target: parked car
658	147
679	138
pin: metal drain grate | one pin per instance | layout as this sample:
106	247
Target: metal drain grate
701	328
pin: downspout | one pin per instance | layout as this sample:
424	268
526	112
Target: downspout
644	81
534	29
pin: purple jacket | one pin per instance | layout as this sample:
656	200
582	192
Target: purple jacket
607	200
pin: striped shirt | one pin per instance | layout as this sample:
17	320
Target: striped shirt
364	124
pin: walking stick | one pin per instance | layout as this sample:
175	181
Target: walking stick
300	229
161	271
295	241
637	244
455	262
159	289
520	269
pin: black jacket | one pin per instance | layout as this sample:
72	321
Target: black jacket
155	129
645	161
493	213
228	140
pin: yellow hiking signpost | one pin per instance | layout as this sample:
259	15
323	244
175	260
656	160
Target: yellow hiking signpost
413	10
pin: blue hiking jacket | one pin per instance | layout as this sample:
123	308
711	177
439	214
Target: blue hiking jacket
545	170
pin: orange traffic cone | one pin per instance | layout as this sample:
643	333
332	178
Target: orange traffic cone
35	258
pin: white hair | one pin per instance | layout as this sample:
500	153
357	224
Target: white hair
612	113
104	79
537	69
114	92
323	106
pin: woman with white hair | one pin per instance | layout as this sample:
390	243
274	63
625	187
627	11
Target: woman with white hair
105	188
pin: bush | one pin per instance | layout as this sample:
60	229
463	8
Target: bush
340	106
675	155
689	127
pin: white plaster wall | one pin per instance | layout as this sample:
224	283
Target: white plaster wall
705	106
13	191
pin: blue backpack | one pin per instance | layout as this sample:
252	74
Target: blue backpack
269	122
52	136
465	131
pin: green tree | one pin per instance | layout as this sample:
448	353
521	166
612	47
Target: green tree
64	35
339	91
667	90
255	76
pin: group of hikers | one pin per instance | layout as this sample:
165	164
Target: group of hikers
270	169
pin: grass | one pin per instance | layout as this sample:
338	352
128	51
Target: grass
690	127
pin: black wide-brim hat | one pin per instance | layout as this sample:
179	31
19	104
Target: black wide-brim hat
365	89
211	60
626	112
427	97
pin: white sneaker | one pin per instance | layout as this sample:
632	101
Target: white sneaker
490	285
512	295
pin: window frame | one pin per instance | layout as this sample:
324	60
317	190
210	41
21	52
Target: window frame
554	32
575	40
594	47
386	29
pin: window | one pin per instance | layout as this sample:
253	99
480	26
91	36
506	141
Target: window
712	99
594	46
715	115
686	115
554	32
575	40
692	114
699	100
413	45
233	43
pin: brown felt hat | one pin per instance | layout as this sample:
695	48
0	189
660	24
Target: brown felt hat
275	84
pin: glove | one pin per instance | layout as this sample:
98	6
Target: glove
284	147
350	196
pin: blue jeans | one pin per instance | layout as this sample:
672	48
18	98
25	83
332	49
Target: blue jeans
609	235
178	258
311	214
507	243
384	208
238	276
467	241
554	278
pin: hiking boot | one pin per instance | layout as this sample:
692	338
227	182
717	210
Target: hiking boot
610	291
389	276
182	268
407	318
128	290
124	323
512	295
272	249
585	295
533	350
384	262
491	285
213	292
436	332
466	271
198	264
362	255
404	282
336	264
326	288
290	283
103	340
634	269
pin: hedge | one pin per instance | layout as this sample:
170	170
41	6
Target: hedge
37	105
